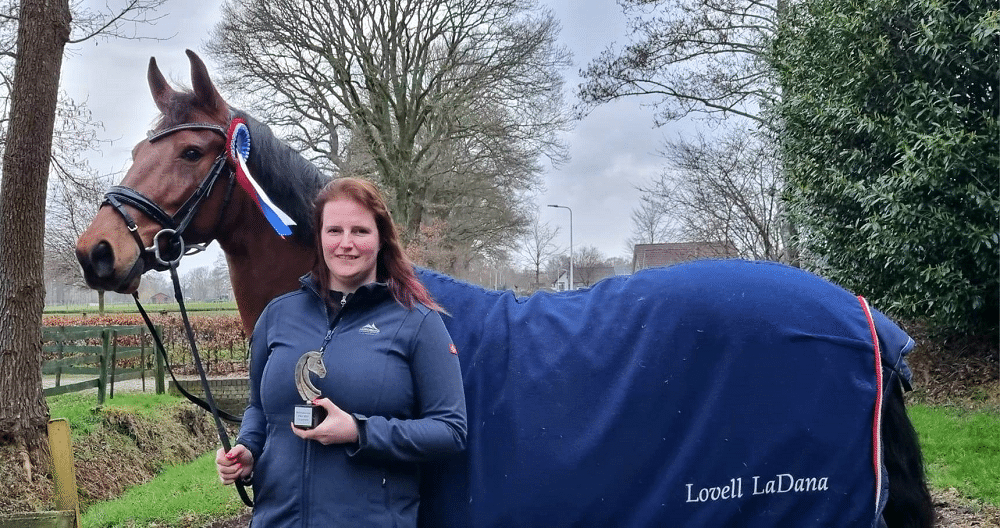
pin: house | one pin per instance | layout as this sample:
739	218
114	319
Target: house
661	255
159	298
586	276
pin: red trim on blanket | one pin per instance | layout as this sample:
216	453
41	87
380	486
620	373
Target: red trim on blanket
877	426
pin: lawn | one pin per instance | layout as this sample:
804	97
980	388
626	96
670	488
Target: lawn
961	449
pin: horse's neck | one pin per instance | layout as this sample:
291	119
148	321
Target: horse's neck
262	265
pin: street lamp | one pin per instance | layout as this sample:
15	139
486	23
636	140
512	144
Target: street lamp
570	242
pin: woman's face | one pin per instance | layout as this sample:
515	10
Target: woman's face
350	244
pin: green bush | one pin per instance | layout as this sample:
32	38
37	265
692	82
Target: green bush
890	143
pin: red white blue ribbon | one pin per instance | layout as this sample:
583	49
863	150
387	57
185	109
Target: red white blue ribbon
238	150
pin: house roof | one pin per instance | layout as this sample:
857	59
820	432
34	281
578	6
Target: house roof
660	255
595	273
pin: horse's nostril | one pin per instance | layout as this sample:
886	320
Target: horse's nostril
102	258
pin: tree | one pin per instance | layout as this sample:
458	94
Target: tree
74	130
73	190
726	189
650	222
74	187
588	262
42	33
197	284
890	141
153	283
709	57
447	103
219	279
68	211
43	29
536	246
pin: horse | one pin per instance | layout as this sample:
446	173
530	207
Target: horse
716	393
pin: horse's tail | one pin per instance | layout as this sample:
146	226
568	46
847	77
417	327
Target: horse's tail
909	504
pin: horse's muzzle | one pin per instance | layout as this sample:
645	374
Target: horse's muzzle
98	265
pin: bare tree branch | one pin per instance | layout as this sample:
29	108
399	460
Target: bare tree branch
725	189
449	104
706	57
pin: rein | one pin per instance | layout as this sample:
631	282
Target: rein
209	402
173	229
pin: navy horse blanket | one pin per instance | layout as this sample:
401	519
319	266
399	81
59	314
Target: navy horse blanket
713	393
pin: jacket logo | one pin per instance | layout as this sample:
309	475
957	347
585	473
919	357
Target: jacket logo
369	329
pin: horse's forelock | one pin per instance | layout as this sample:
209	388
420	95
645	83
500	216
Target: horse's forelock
179	110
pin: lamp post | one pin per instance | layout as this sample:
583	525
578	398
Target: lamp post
570	242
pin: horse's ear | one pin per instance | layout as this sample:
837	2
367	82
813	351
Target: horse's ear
162	92
208	97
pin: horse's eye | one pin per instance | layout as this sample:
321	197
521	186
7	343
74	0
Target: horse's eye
191	154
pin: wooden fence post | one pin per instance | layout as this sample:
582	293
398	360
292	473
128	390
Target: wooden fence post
63	469
114	360
160	385
60	343
142	358
102	377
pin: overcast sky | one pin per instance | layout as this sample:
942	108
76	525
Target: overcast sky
611	150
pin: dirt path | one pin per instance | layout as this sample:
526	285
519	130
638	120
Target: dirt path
955	512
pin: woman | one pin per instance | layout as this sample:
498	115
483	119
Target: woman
392	391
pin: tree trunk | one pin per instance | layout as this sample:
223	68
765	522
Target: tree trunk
42	34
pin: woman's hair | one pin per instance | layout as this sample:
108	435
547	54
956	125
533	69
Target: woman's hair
392	266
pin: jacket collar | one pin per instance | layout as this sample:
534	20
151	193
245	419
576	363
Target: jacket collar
369	293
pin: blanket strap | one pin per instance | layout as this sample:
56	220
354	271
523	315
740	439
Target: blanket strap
877	426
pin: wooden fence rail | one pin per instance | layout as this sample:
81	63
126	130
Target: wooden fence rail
77	352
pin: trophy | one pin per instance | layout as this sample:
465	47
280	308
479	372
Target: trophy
308	415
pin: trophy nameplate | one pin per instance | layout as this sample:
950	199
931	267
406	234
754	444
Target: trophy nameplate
308	415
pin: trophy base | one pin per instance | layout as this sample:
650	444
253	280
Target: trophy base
308	416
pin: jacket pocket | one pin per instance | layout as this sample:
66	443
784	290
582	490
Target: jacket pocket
401	488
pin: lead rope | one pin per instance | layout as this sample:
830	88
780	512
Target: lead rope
204	379
209	402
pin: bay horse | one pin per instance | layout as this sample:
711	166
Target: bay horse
716	393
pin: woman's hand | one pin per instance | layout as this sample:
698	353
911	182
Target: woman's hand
337	428
236	464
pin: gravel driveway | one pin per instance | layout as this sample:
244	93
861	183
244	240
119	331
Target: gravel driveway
132	385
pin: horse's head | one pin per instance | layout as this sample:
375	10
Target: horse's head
168	194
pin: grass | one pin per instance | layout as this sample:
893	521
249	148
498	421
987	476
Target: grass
961	449
79	408
181	496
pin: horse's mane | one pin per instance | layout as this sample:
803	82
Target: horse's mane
289	179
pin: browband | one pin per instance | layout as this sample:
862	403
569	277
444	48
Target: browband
153	136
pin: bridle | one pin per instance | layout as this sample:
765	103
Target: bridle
172	229
171	248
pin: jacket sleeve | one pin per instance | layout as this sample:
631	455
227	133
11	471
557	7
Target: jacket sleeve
439	428
253	428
